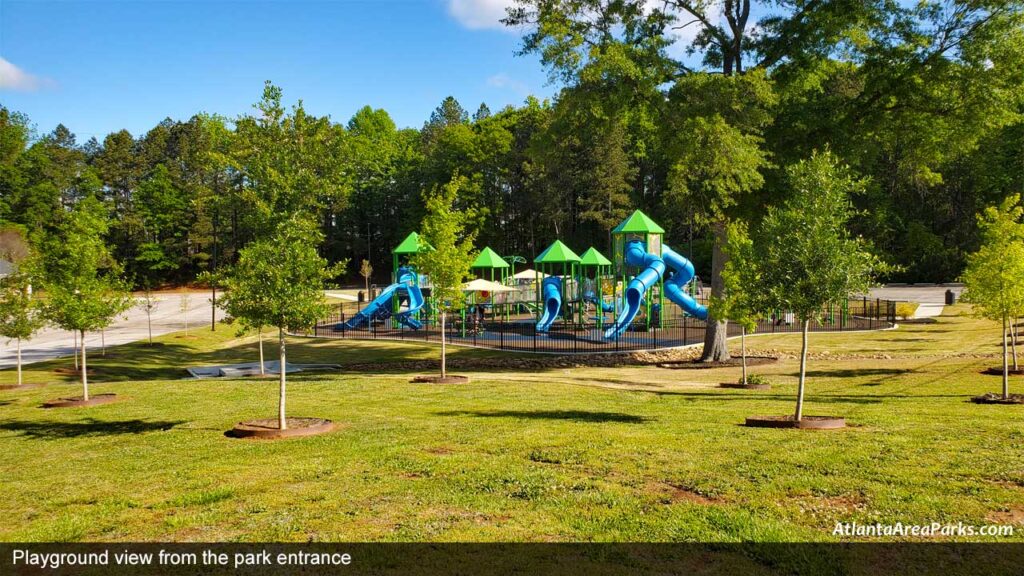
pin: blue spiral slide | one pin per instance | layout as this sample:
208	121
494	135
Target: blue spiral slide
380	307
654	268
551	292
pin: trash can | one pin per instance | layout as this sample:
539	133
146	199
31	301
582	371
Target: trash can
362	297
950	298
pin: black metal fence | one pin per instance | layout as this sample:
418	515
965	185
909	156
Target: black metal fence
519	333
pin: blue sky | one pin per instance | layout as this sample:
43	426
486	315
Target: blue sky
102	66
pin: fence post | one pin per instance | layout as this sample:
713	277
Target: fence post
534	328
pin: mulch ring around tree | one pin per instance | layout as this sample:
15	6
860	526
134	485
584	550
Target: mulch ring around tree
10	387
992	398
805	423
730	363
739	386
266	428
74	371
999	371
78	401
449	379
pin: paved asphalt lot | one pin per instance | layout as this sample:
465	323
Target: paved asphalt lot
167	317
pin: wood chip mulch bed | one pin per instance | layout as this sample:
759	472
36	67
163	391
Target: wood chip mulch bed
730	363
450	379
20	386
999	371
78	401
992	398
267	428
806	423
739	386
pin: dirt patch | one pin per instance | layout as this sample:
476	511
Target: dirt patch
1012	515
439	450
669	493
267	428
830	507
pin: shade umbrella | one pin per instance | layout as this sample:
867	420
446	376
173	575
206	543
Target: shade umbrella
529	274
481	285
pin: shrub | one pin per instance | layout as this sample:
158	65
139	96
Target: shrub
905	310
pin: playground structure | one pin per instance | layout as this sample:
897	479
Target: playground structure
568	303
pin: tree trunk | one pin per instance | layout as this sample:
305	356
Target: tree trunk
149	324
743	351
19	361
1006	367
803	375
444	370
716	348
103	342
213	310
85	372
259	335
281	422
74	338
1013	343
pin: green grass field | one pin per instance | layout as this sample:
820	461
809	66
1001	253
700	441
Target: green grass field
603	454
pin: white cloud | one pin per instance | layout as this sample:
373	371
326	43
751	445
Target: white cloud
14	78
479	14
506	82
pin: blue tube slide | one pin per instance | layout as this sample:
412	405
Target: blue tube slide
380	307
675	285
654	267
551	292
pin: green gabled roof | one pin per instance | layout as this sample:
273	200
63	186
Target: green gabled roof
594	258
411	245
489	259
638	222
557	252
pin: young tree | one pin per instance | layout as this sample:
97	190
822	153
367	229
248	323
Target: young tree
279	281
366	270
742	299
448	263
149	304
83	284
20	313
183	305
808	258
993	278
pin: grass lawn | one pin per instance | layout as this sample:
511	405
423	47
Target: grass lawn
606	454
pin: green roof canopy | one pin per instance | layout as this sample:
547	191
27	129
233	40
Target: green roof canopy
411	245
556	253
489	259
638	222
594	258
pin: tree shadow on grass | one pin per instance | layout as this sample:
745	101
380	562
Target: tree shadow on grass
86	428
573	415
